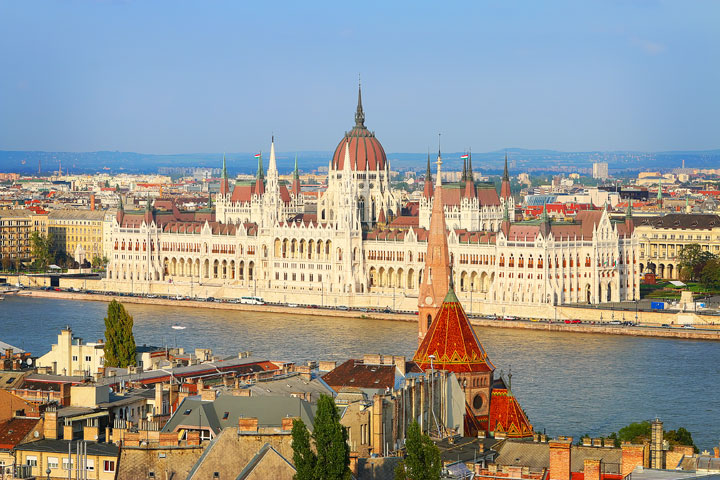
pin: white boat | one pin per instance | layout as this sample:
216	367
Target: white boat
178	327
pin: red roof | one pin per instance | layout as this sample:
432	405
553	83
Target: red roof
15	430
366	152
452	340
506	415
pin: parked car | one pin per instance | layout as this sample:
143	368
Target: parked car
687	325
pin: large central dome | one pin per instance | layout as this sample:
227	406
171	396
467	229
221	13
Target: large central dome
366	153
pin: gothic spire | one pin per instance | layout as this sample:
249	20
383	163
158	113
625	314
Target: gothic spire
464	176
260	173
506	175
272	166
428	173
295	172
471	177
359	114
628	212
224	170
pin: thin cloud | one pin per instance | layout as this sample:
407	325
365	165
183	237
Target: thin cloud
649	47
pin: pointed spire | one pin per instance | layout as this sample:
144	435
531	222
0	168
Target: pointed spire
471	177
260	173
506	175
464	171
428	187
346	161
544	216
428	173
272	165
628	212
359	114
439	163
224	183
296	180
506	213
505	191
122	208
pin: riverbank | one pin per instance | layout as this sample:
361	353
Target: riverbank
711	334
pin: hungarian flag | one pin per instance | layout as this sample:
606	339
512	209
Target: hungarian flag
463	157
258	155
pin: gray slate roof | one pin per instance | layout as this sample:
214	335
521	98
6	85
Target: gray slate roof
268	410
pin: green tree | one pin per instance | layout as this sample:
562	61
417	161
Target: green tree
303	456
7	263
42	249
636	432
710	274
119	339
422	461
333	452
691	259
680	437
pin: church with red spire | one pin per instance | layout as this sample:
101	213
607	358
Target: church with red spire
447	341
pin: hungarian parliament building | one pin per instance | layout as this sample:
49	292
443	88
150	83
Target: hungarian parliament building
359	245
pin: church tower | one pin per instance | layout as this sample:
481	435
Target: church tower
436	277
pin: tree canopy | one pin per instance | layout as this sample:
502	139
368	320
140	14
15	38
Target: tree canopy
119	340
332	460
422	461
692	259
41	247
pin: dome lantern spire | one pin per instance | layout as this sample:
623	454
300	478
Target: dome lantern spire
359	114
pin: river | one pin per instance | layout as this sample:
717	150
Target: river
568	383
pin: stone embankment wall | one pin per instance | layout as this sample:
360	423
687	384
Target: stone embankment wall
696	334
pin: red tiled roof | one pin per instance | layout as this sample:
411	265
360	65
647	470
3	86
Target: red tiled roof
15	430
453	342
355	373
506	415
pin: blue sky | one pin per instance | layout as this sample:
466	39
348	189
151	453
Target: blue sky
182	77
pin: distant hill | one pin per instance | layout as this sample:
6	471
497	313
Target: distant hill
26	162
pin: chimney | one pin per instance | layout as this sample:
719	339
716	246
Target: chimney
399	362
249	424
68	431
657	455
193	438
560	452
632	456
50	426
287	423
716	452
593	469
91	432
158	399
92	202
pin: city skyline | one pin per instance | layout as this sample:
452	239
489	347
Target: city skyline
135	77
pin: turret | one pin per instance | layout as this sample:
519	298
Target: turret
428	191
224	182
469	191
505	185
295	189
260	177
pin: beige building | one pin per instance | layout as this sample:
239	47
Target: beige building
78	233
70	356
662	238
15	229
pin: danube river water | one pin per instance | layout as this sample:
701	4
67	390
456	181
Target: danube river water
569	384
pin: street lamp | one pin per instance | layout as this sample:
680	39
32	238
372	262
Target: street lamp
432	374
47	471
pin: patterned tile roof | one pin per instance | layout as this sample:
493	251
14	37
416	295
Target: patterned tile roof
506	416
452	340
